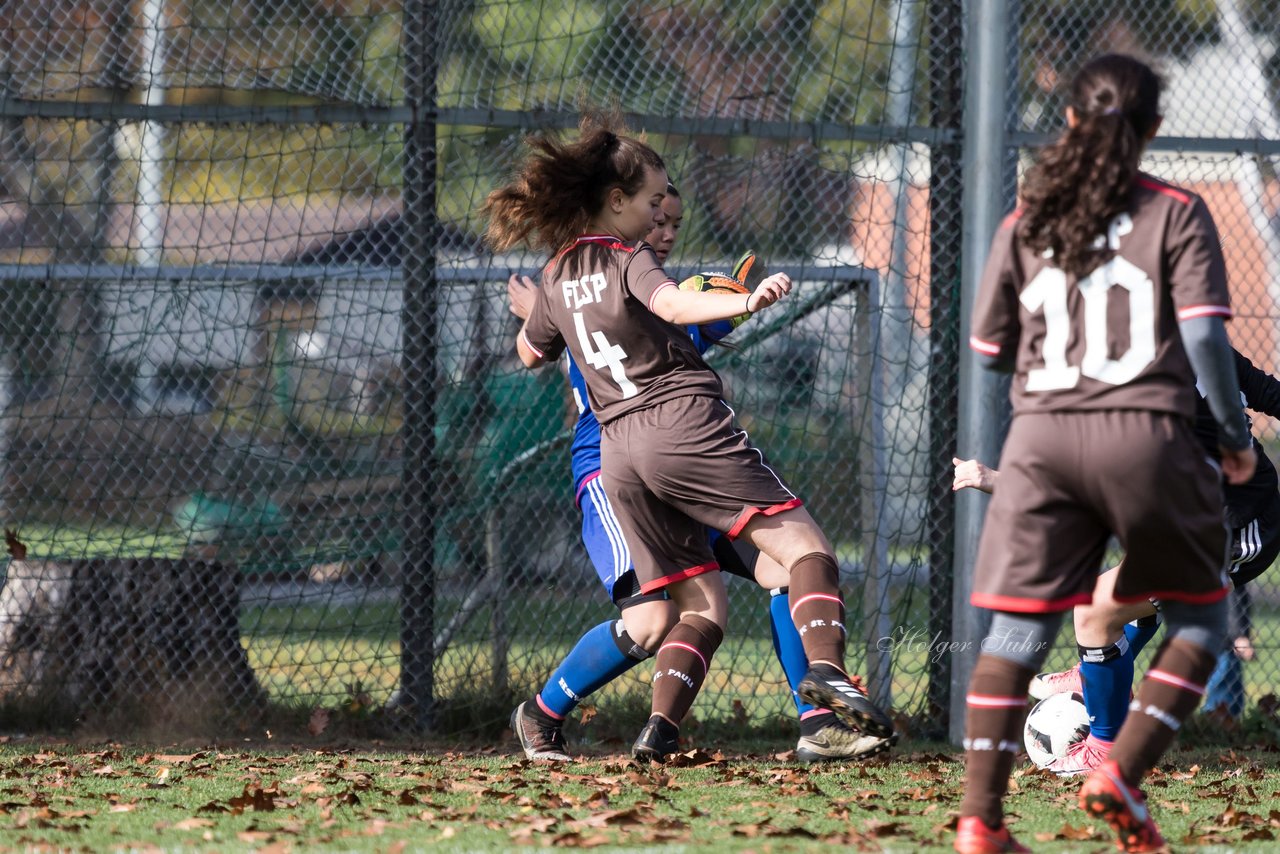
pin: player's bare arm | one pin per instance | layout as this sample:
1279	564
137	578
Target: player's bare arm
528	358
686	308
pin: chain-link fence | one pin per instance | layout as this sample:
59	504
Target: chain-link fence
264	437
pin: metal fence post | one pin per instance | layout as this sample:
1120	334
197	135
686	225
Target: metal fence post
946	75
981	396
418	585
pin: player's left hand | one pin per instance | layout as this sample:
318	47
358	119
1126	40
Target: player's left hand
521	292
769	291
972	474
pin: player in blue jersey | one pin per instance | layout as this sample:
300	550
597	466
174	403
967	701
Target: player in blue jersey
611	648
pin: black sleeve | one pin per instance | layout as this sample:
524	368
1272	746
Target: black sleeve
1261	390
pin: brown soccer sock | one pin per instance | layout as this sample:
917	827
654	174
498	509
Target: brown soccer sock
681	665
1167	696
817	608
997	708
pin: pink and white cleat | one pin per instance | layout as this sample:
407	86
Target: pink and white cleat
1065	682
1082	757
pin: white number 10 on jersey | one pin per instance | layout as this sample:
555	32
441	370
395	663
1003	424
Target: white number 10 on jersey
1047	293
600	353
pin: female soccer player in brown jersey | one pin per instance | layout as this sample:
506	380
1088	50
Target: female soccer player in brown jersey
613	647
1101	292
674	462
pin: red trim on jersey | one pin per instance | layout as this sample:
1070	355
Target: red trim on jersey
747	514
608	240
1177	596
1163	188
1204	311
1027	605
1012	217
529	344
669	283
986	348
682	575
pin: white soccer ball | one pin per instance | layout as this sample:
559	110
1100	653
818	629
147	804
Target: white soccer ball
1057	722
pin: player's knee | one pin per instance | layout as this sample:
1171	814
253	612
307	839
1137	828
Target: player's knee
1202	625
1096	621
629	646
646	627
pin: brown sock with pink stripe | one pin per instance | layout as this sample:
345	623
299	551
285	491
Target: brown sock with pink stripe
817	608
681	665
1167	696
997	708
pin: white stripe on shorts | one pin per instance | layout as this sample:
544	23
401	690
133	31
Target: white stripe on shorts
618	543
759	453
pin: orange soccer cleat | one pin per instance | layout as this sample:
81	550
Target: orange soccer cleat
1107	796
974	837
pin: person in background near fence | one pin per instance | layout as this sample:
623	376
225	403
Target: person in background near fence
1110	633
1224	697
1105	293
603	654
674	462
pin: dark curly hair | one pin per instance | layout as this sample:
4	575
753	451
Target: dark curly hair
1083	179
560	186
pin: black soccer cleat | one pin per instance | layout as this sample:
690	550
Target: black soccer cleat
659	739
835	741
541	738
826	687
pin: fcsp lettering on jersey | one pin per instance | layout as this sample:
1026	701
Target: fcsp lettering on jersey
584	291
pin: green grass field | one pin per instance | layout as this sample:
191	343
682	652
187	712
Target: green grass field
263	796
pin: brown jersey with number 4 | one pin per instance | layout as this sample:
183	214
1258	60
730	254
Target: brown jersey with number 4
1108	340
596	299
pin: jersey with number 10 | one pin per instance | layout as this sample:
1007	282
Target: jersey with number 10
1109	339
595	300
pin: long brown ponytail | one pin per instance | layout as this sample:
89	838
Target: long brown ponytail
1083	180
560	187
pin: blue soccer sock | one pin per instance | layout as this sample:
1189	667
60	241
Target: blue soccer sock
787	646
1106	677
601	655
1140	632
